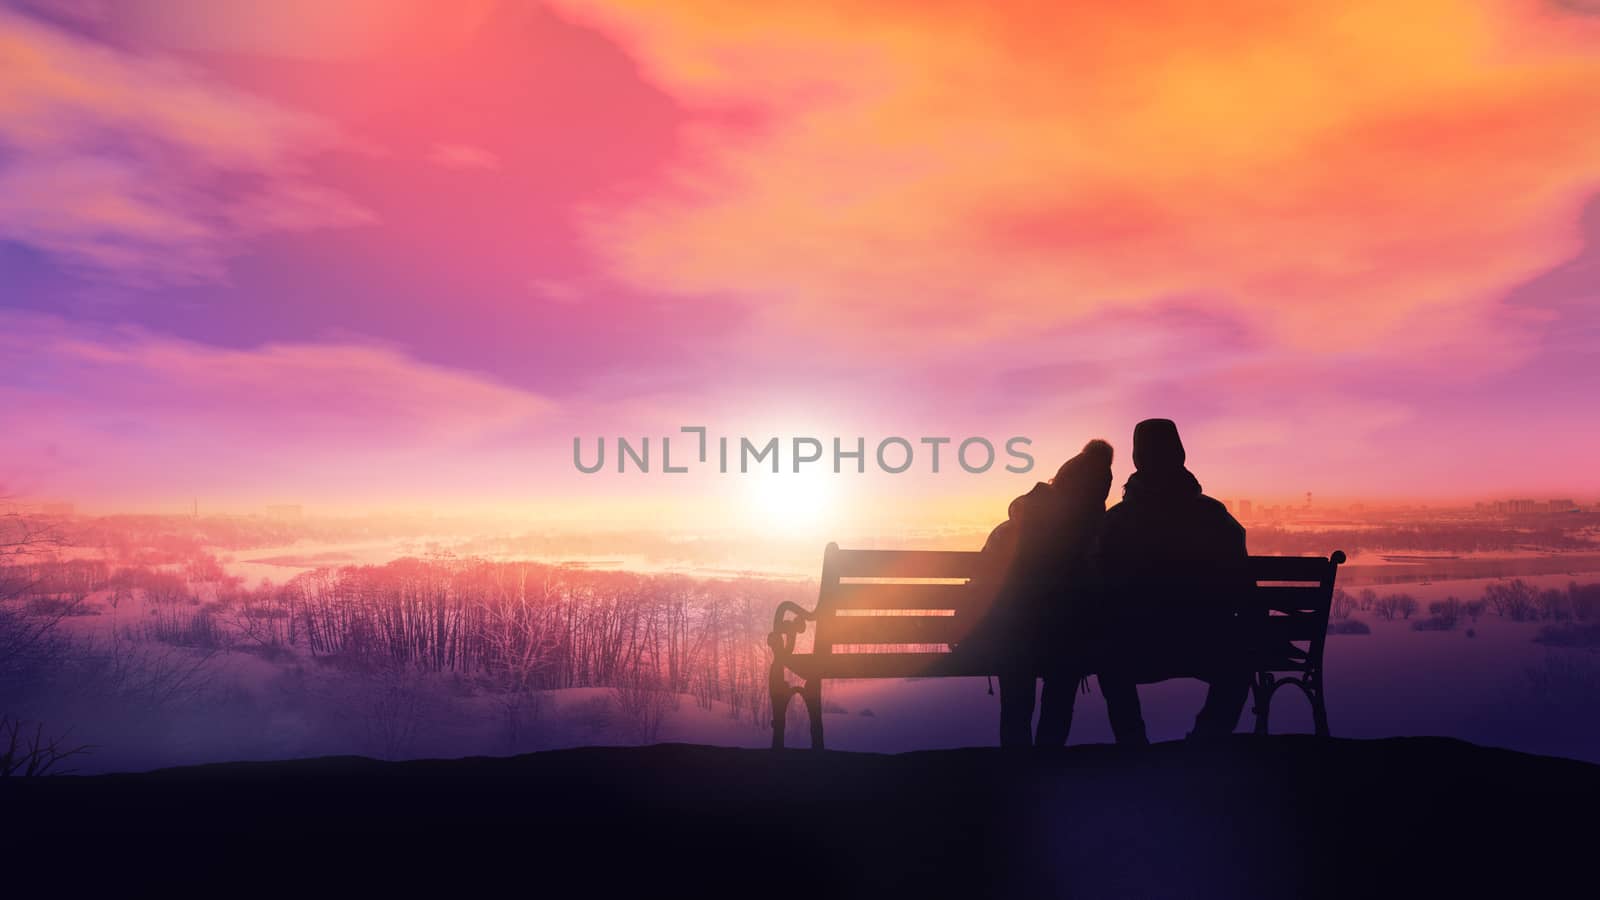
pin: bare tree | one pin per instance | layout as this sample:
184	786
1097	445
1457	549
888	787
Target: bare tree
144	675
518	629
31	754
1344	604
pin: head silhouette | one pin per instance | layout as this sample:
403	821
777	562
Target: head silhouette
1088	475
1156	446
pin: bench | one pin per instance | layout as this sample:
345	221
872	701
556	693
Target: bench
897	614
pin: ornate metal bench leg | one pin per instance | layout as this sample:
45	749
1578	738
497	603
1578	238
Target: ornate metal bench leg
1262	687
813	697
781	692
1319	708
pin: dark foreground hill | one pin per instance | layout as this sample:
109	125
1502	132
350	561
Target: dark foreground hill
1274	817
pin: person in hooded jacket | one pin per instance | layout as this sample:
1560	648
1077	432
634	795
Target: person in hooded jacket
1174	563
1038	564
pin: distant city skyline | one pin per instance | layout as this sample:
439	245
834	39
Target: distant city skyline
1243	507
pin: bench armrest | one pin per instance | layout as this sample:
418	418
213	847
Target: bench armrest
785	629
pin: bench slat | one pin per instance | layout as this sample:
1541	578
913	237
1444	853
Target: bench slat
1291	568
940	665
965	564
885	665
1292	598
1295	627
893	629
905	563
944	665
958	597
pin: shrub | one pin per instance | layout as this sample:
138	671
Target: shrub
1553	604
1349	626
1449	606
1434	623
1442	616
1512	600
1343	604
393	708
866	711
642	705
1396	606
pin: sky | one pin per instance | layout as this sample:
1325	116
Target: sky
386	254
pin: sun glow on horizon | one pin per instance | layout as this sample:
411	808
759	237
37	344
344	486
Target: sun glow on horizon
792	504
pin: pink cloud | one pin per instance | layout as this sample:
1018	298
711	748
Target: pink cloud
137	168
118	411
303	29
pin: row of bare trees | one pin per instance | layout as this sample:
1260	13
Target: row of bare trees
530	627
515	629
1516	600
1434	537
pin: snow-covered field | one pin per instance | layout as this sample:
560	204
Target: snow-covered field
1488	682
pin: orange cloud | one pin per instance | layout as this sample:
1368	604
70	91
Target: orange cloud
1331	170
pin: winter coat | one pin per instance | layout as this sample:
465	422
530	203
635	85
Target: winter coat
1174	567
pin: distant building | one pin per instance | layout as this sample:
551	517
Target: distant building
1244	509
285	511
1506	507
64	510
1561	506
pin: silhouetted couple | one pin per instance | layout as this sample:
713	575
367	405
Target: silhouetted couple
1135	594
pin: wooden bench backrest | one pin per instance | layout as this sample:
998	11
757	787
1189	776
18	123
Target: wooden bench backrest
894	597
1297	593
888	599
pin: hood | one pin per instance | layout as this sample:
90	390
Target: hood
1161	485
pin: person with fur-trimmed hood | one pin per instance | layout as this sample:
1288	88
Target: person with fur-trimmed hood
1038	563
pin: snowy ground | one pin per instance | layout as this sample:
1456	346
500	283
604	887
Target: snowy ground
1495	686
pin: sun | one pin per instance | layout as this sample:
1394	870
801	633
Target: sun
790	502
